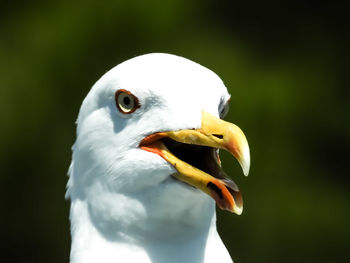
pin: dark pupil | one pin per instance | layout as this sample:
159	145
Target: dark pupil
126	101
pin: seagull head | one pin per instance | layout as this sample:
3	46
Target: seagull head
147	149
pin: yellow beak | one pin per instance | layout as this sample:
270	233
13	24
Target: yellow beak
197	148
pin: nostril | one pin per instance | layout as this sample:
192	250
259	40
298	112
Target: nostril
218	136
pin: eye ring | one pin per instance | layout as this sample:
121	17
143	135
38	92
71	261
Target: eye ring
126	102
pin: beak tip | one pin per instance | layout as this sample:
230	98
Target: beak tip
246	172
238	211
235	209
239	148
246	168
245	161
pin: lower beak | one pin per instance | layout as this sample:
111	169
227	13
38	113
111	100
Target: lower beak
214	133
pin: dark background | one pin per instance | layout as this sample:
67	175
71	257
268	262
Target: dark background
285	64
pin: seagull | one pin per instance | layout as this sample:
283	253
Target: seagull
145	173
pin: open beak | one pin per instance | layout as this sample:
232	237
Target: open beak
194	154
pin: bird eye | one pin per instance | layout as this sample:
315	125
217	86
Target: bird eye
126	102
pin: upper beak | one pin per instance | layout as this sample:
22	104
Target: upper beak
214	133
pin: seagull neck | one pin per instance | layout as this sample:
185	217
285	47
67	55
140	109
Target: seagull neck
90	245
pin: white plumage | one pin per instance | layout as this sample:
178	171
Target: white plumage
125	204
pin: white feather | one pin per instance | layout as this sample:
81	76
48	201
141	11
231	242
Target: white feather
125	206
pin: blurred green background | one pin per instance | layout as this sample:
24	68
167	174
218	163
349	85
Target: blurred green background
285	64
